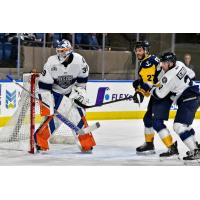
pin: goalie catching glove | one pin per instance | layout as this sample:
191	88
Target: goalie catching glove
79	93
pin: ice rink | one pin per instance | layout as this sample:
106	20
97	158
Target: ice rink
116	142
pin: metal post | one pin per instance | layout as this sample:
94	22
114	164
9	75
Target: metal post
103	56
44	48
18	55
173	42
73	40
136	60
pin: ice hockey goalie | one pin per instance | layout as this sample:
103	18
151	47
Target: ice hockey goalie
63	80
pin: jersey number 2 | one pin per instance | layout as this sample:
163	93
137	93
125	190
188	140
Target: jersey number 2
150	77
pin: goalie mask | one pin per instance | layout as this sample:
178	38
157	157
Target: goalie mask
63	50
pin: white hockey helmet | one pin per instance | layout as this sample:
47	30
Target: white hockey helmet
63	50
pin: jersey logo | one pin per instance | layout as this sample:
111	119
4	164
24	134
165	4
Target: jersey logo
148	63
54	69
164	79
181	73
64	81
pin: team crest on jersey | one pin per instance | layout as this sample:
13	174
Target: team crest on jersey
64	81
181	73
148	63
164	79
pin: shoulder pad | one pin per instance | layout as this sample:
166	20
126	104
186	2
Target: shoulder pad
53	59
154	59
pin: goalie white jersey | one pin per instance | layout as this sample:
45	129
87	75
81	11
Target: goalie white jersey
176	81
60	78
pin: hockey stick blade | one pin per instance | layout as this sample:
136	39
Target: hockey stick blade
138	97
91	128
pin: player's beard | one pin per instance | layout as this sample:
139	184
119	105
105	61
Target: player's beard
141	57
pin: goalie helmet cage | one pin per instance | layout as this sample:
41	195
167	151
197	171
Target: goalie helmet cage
18	133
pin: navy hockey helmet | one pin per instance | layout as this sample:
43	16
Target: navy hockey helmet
143	44
168	56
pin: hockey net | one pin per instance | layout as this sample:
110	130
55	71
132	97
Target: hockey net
18	133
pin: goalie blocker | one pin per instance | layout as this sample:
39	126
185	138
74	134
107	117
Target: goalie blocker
66	107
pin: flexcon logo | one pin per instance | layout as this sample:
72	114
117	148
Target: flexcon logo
102	95
10	99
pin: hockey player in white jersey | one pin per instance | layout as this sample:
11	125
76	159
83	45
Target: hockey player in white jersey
178	82
63	80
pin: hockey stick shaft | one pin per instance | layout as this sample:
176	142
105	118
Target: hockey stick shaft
109	102
58	115
105	103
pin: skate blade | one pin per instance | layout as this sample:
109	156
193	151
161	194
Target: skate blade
86	152
42	152
146	153
192	162
173	157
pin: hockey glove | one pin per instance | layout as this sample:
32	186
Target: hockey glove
138	97
146	87
79	94
136	83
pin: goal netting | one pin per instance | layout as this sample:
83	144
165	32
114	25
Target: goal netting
18	133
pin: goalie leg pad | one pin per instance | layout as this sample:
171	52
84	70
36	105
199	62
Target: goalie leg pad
43	133
87	140
46	97
77	115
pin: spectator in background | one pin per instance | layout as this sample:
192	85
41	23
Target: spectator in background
93	42
78	40
67	36
187	61
86	41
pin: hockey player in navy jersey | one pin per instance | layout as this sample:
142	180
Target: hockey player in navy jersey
178	83
157	111
63	80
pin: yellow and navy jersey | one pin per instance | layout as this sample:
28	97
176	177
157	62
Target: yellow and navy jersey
148	70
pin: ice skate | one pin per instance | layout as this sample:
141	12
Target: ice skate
192	155
146	149
172	152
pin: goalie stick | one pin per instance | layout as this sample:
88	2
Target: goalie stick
98	105
71	125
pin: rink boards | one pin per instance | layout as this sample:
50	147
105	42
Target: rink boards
98	92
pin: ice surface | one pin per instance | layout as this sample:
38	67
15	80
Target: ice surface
116	142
